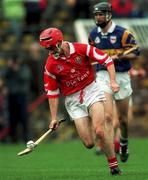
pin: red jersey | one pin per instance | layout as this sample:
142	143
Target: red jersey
68	75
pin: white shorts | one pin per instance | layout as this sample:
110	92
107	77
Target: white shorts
123	80
77	104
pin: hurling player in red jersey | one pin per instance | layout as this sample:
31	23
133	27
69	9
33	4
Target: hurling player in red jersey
69	71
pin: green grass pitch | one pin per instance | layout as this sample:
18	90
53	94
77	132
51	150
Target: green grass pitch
70	161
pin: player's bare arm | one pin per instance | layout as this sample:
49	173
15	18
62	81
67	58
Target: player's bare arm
112	75
53	104
108	62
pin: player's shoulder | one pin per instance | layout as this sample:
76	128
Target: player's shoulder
79	47
120	29
94	31
124	31
49	62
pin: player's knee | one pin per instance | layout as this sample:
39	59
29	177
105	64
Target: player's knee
123	119
89	145
108	118
99	132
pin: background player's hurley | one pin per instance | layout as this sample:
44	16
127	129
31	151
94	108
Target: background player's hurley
128	51
31	145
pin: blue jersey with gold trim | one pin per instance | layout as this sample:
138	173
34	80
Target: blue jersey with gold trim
115	41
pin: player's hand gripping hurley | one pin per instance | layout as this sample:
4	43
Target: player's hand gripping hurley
34	144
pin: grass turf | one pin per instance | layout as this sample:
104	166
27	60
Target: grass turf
70	161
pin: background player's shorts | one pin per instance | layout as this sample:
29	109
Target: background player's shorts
78	103
123	80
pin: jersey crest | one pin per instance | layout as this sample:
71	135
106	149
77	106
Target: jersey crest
78	59
73	70
59	68
97	40
113	39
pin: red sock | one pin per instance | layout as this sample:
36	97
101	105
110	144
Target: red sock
117	146
113	163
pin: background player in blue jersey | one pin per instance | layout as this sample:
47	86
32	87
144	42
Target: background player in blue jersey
114	40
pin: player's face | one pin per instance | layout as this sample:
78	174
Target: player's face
51	49
99	17
54	50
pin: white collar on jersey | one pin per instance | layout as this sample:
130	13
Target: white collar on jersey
110	30
71	47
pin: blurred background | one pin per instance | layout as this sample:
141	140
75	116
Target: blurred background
24	112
